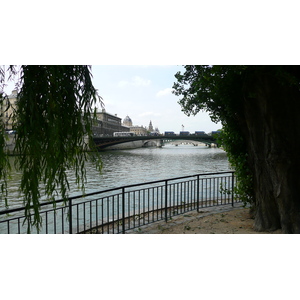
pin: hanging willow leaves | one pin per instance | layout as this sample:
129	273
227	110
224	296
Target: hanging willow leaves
4	161
53	121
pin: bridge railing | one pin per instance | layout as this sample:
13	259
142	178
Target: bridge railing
124	208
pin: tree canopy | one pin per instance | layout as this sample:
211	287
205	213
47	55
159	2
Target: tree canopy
53	117
258	107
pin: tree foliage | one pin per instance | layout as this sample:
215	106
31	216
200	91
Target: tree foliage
259	109
218	90
53	121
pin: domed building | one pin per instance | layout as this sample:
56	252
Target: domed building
137	130
127	121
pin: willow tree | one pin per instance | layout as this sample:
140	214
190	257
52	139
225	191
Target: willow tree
52	119
259	108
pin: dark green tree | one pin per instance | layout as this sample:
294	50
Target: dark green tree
259	109
53	121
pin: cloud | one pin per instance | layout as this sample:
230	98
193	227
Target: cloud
167	91
138	81
150	114
135	81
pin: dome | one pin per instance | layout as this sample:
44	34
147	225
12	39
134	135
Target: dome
127	121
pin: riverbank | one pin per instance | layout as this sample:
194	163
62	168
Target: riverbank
215	220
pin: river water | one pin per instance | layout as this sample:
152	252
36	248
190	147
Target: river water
140	165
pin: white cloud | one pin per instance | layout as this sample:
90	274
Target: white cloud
167	91
138	81
135	81
149	113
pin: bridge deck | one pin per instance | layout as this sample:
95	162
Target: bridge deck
103	142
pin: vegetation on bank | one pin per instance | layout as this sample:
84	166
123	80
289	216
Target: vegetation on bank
259	109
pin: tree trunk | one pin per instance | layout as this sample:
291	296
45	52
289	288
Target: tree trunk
272	129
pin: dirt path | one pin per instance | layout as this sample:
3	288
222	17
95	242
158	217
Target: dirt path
216	220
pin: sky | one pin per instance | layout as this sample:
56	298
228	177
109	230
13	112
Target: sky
144	93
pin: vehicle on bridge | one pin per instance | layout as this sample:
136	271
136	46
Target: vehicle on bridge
120	134
200	133
169	133
154	133
185	133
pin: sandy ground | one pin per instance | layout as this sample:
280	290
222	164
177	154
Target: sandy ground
216	220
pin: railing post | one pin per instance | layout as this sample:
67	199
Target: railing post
198	192
166	200
123	210
232	189
70	217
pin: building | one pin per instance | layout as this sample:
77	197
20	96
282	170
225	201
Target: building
150	128
139	130
107	124
8	109
127	121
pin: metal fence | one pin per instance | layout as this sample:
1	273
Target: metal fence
120	209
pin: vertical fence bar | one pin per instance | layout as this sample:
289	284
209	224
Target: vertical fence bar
70	216
19	231
84	216
62	221
118	213
232	189
91	217
214	191
166	200
77	211
144	206
102	215
139	214
148	208
226	190
198	191
221	190
206	192
134	217
113	214
210	193
97	215
177	197
158	206
218	190
128	209
123	210
54	223
107	213
46	223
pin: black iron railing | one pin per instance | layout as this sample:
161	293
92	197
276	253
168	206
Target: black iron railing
120	209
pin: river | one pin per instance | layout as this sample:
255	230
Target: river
125	167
